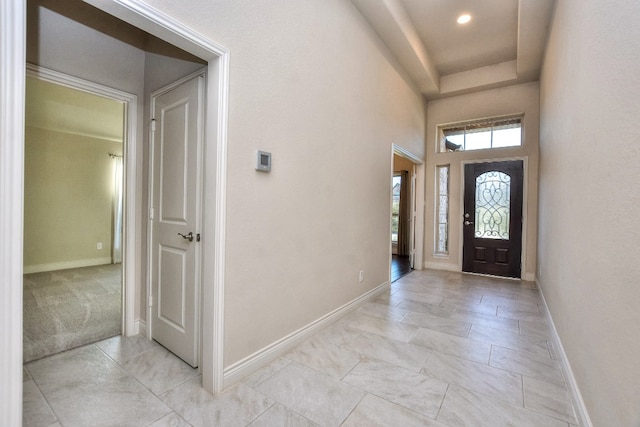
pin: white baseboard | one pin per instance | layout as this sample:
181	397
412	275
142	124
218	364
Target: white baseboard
442	266
529	277
578	403
39	268
250	364
140	327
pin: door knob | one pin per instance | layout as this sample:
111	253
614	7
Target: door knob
468	222
188	237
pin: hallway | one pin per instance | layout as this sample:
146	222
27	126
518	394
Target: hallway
470	350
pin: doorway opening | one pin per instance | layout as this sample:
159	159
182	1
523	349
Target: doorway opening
403	214
75	144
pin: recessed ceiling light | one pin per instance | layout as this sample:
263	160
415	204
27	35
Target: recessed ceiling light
463	19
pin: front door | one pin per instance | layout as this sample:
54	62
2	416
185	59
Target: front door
493	218
175	210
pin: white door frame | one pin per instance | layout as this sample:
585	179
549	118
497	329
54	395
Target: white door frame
130	227
12	83
151	20
417	196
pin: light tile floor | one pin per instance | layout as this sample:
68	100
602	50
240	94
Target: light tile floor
438	349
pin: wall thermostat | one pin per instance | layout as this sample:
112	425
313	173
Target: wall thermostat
263	163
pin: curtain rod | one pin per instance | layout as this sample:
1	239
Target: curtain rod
114	156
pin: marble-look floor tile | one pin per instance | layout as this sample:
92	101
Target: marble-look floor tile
465	348
475	309
397	353
122	402
159	370
237	406
489	321
376	412
121	348
437	323
35	409
440	310
383	310
530	365
280	416
321	354
521	314
464	408
86	378
418	297
417	392
171	420
72	371
385	328
266	372
339	333
549	399
479	377
26	376
513	341
317	397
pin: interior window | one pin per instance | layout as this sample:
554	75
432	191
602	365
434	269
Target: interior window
481	135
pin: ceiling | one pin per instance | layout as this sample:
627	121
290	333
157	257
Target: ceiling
503	44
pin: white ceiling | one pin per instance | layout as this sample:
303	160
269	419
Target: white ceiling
502	45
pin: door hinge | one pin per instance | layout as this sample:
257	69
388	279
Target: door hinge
150	300
151	213
153	125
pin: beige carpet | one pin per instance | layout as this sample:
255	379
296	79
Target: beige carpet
65	309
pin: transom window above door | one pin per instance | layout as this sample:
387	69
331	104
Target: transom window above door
481	134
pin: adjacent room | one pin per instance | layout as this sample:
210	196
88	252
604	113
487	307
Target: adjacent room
73	218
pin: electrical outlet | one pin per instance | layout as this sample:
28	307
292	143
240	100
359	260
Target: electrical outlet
99	246
361	276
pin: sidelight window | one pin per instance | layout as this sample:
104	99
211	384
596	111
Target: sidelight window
442	213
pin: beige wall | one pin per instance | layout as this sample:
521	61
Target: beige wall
68	199
311	84
590	198
491	103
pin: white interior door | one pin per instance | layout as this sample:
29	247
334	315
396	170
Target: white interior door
175	211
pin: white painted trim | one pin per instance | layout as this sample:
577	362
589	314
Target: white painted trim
260	358
64	265
582	414
12	99
418	200
145	17
130	229
442	266
529	277
140	327
403	152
